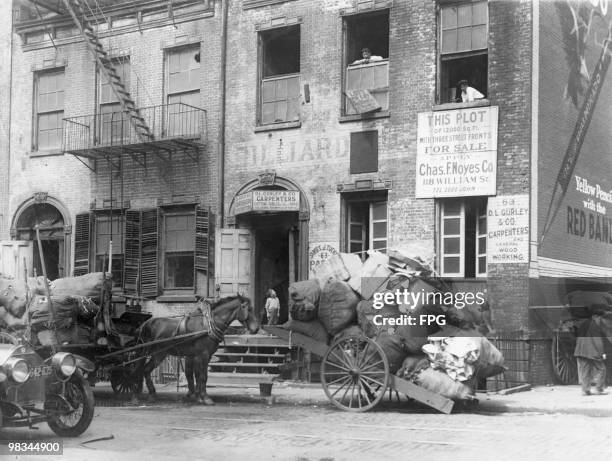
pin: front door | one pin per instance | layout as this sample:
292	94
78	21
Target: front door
235	264
16	258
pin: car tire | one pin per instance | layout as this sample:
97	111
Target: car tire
79	393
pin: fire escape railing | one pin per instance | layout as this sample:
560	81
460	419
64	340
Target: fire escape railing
166	122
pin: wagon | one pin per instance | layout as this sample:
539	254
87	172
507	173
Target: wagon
355	373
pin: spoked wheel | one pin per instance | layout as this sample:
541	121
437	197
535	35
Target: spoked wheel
355	373
125	381
563	361
76	420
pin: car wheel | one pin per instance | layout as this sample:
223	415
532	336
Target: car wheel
80	396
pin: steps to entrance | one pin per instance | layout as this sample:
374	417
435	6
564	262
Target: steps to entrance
248	359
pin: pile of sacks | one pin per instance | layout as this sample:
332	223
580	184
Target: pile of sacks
75	302
341	301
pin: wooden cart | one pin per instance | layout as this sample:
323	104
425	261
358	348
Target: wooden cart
355	373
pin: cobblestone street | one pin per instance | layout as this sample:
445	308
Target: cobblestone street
235	429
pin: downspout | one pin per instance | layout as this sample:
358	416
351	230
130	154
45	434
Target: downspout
7	190
221	138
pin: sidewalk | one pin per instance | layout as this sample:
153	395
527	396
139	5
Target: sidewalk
542	399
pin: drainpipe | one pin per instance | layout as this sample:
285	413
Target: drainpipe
7	189
221	141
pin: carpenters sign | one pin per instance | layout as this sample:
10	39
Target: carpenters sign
267	200
457	153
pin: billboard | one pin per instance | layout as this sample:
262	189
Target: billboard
574	202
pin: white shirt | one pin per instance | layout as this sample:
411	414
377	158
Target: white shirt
470	94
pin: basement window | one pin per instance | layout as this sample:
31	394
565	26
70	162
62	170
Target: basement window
279	70
366	79
463	48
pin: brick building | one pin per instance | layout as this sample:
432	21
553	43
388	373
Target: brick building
318	149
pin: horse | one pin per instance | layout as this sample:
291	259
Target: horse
213	319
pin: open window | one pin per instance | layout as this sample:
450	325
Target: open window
366	222
463	48
366	79
463	237
279	69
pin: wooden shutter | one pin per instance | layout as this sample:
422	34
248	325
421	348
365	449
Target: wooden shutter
149	265
364	152
82	232
235	262
13	255
131	261
202	239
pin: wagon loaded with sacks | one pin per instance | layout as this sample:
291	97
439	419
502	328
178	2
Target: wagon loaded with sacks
369	343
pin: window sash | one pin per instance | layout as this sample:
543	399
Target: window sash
481	243
378	242
280	96
49	106
366	227
448	234
183	70
123	68
179	243
464	27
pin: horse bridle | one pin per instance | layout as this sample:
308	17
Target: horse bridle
244	311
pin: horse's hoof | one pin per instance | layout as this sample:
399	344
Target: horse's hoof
134	401
199	400
208	401
154	397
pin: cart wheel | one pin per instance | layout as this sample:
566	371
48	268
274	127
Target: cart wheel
563	361
355	373
125	381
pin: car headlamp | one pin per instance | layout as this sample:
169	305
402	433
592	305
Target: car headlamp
17	369
64	364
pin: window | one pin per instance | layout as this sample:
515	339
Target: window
107	230
183	94
49	105
113	122
366	81
364	152
279	69
179	247
463	47
366	223
463	235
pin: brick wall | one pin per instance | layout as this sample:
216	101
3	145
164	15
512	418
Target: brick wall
316	155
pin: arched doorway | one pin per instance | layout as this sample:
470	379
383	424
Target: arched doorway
270	218
54	228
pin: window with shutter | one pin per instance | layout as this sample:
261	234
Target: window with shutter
131	264
82	231
149	280
109	228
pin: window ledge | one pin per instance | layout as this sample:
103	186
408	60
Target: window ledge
362	117
462	105
176	298
278	126
46	153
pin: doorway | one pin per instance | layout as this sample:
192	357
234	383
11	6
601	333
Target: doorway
275	237
50	223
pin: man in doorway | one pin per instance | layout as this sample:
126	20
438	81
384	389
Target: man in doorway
272	307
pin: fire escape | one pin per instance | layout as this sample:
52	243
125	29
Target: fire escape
159	131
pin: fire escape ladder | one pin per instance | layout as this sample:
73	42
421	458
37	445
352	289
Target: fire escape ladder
106	66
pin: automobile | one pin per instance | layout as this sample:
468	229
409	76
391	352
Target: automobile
34	389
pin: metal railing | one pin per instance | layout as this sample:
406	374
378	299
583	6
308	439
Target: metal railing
117	128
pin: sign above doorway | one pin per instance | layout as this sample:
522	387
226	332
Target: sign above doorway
267	200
